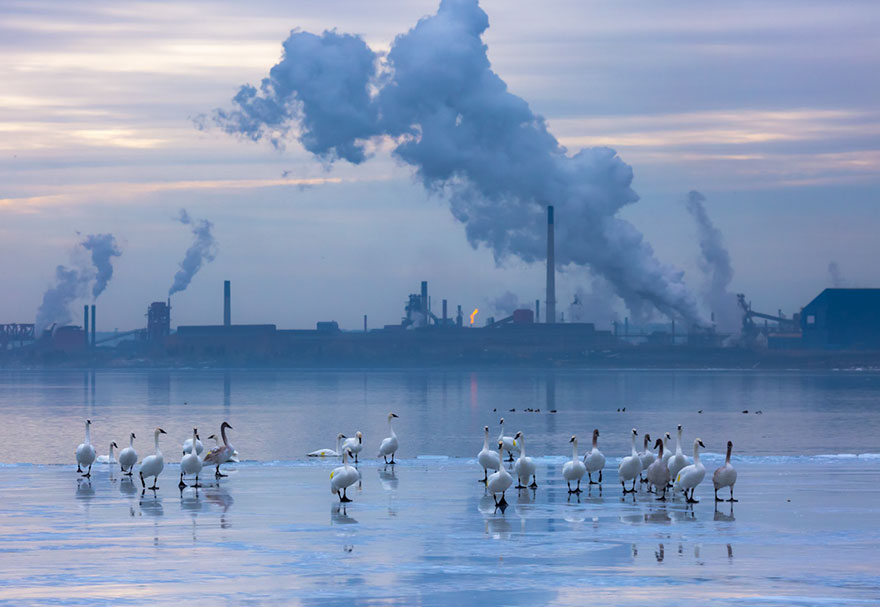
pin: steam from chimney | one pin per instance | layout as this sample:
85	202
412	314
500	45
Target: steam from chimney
103	248
716	266
202	251
70	284
836	275
452	118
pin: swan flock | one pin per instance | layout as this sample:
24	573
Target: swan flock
663	472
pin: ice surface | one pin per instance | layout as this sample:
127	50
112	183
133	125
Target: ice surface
424	533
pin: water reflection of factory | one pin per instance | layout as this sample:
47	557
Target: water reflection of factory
836	320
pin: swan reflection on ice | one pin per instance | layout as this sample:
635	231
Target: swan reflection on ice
339	514
388	478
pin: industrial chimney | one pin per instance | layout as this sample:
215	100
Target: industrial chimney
86	326
551	269
93	325
227	303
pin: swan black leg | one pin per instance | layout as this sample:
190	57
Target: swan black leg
217	474
344	497
78	468
143	484
718	499
485	478
731	495
534	484
154	487
182	484
197	485
600	477
89	473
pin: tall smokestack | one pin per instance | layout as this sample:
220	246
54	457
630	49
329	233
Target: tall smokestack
227	303
425	300
537	310
551	269
93	325
444	313
86	325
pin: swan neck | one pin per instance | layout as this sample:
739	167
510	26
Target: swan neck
156	441
88	434
522	447
574	451
634	452
390	428
223	434
131	441
338	441
678	443
486	439
727	459
111	451
661	450
595	441
696	453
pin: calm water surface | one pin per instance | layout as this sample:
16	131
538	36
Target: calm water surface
282	415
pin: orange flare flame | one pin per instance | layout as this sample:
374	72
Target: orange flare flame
473	314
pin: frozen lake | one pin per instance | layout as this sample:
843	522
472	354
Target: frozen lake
423	532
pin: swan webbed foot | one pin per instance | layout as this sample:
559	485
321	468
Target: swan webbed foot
520	486
730	500
78	469
534	485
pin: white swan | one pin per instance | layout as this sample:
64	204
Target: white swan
667	452
232	458
691	476
725	476
85	453
646	456
389	445
191	463
630	467
679	460
354	444
524	466
488	458
329	452
221	454
595	459
499	481
128	457
343	477
188	446
509	443
575	469
108	459
658	473
153	464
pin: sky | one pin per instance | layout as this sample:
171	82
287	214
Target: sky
770	110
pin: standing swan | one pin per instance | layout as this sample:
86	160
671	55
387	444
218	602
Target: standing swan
499	481
679	460
658	473
191	463
725	476
509	443
343	477
595	459
575	469
691	476
188	446
220	454
355	444
630	467
329	452
128	457
85	453
389	445
667	452
646	456
488	458
524	466
153	464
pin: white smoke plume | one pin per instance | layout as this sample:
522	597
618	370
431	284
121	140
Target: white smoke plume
103	248
505	304
596	305
715	264
70	284
202	250
835	275
452	118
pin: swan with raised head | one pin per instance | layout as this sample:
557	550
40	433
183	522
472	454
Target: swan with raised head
667	452
524	466
191	463
488	458
690	476
221	454
509	442
679	460
646	456
575	469
354	444
658	473
595	460
128	457
85	453
725	476
389	445
343	477
330	452
108	459
630	467
188	446
153	464
499	481
232	458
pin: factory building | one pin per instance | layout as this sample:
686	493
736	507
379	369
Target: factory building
844	319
